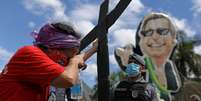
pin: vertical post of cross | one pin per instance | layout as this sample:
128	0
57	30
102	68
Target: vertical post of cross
106	20
103	55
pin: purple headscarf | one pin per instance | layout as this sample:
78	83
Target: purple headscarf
51	37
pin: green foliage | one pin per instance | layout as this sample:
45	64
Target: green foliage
116	76
186	60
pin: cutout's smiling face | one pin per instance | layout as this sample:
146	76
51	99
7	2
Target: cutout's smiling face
157	38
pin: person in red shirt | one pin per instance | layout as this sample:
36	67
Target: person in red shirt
52	60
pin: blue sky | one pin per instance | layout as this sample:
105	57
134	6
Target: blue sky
20	17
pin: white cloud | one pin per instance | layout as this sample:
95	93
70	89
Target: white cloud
196	7
5	54
136	6
83	17
112	59
91	70
183	25
55	8
130	17
124	36
197	49
85	12
119	24
84	26
31	24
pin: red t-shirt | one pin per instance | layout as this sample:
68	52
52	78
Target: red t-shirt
28	75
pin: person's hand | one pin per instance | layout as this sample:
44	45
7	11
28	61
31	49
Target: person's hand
79	59
82	66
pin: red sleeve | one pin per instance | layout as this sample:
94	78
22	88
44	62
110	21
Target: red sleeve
32	65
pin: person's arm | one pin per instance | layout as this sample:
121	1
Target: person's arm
69	76
89	53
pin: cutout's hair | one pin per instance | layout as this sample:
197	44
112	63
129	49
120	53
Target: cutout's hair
137	49
153	16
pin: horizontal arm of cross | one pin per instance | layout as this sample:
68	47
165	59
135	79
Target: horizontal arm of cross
108	21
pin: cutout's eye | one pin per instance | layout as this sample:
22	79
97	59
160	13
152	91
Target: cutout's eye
163	31
147	33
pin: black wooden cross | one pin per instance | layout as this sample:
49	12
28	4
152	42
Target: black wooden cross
102	55
100	32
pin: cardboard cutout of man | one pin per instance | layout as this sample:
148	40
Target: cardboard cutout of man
157	35
156	39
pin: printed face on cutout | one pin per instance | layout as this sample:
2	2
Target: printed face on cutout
156	38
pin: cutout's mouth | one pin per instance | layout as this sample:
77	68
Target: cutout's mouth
156	45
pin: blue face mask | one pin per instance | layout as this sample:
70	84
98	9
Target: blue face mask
132	69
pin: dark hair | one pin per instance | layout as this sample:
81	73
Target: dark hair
43	47
66	28
137	49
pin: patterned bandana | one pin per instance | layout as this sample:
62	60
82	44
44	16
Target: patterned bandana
51	37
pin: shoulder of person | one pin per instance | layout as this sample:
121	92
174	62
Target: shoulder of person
29	49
